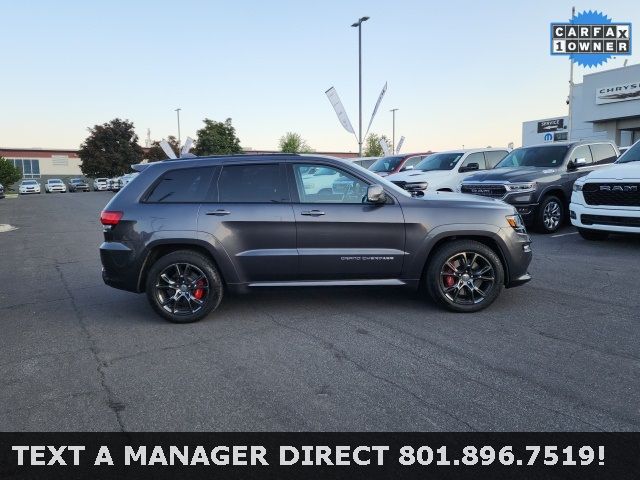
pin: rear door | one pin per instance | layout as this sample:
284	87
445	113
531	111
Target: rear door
339	235
250	214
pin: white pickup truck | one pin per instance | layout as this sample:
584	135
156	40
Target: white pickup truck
608	199
444	171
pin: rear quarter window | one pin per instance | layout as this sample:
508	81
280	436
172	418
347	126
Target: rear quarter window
603	153
184	185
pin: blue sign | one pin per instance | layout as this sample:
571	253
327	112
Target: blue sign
548	137
590	38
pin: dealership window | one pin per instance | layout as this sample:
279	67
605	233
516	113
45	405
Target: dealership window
30	168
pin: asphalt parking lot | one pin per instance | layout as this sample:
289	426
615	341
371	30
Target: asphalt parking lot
560	353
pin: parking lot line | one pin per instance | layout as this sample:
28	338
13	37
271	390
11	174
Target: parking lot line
564	234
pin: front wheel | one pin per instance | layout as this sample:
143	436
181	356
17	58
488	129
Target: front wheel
594	235
464	276
184	286
550	215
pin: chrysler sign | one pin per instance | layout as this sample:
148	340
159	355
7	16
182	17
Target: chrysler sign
618	93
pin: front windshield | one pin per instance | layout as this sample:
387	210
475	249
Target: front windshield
631	155
386	164
543	157
439	161
29	182
55	181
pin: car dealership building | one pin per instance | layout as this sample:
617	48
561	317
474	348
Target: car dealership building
605	106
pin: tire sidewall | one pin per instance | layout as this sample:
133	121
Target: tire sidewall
432	279
216	287
540	223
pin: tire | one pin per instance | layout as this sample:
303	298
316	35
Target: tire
449	291
194	300
551	215
593	235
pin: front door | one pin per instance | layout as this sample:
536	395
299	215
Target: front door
340	236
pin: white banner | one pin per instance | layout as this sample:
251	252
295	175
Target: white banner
385	147
375	109
339	108
399	146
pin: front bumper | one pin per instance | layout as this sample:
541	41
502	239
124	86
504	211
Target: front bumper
612	219
518	256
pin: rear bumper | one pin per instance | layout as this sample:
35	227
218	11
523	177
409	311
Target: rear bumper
120	268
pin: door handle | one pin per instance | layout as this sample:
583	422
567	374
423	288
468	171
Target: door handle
219	212
312	213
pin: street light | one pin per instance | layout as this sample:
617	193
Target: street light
177	110
358	24
393	136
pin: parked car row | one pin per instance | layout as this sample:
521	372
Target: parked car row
536	180
56	185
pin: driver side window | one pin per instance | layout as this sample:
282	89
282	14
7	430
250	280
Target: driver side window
324	184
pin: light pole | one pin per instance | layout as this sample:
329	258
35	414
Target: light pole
393	135
359	25
177	110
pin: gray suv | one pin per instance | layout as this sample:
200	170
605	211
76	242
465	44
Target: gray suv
185	231
538	180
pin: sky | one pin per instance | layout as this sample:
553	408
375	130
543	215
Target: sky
460	72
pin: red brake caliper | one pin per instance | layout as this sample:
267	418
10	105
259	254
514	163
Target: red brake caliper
199	292
449	281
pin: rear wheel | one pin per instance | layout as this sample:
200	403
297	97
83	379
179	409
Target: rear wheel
184	286
594	235
464	276
550	215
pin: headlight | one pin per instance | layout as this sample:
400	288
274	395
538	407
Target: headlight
521	187
577	187
515	221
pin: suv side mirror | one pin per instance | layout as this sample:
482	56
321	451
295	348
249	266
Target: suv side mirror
470	167
375	194
574	164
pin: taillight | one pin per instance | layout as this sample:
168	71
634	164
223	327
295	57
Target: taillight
110	218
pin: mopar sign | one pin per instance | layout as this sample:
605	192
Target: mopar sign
618	93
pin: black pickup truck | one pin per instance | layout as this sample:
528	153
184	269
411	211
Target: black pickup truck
538	180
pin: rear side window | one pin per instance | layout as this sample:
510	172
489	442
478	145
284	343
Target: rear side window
255	183
603	153
493	157
185	185
582	152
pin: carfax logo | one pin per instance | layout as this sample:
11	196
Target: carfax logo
590	38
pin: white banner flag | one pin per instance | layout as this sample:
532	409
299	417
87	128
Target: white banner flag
375	109
385	147
339	108
399	145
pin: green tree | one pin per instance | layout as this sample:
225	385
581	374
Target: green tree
372	146
155	152
292	142
8	173
110	149
217	138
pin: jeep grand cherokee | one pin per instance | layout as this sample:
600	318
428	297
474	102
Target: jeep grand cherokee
185	231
